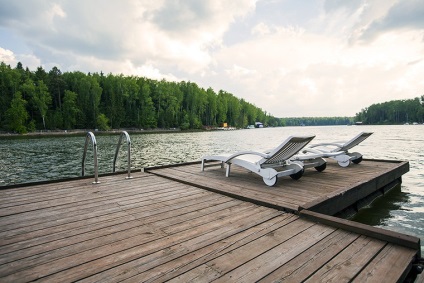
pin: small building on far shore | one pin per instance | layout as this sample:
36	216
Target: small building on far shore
259	125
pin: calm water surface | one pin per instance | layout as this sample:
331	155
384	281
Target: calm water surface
34	159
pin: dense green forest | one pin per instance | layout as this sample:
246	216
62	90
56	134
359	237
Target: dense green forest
393	112
41	100
53	100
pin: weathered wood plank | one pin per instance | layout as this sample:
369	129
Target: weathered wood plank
204	255
59	186
233	258
94	240
74	236
88	194
308	262
96	260
348	262
168	263
10	223
78	220
391	265
272	259
382	234
229	187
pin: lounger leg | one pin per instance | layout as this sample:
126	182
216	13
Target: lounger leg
227	174
203	165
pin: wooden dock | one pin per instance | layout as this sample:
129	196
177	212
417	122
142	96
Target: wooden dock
178	224
316	191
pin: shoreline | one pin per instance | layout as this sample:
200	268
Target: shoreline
49	133
52	133
80	132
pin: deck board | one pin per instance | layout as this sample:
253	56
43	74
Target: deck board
306	263
384	265
155	229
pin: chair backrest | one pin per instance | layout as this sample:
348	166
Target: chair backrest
355	141
287	149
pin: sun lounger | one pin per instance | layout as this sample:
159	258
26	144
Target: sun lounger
269	165
339	150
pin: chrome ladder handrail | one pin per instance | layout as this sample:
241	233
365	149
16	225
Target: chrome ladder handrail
124	133
96	167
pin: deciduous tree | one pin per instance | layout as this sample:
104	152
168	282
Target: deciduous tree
16	115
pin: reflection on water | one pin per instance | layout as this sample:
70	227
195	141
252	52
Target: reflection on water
379	211
34	159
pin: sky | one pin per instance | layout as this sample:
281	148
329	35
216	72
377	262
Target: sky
291	58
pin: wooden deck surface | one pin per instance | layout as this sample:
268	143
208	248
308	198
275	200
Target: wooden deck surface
317	191
152	229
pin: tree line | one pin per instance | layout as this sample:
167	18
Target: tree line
41	100
317	121
393	112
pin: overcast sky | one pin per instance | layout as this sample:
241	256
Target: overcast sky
291	58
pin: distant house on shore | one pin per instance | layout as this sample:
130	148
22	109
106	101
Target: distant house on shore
259	125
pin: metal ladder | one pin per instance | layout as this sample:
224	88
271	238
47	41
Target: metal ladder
127	136
90	136
96	167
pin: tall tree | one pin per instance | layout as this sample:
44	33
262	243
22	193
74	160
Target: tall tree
130	90
212	108
6	91
146	112
89	95
40	74
70	109
16	115
222	107
42	100
113	100
56	86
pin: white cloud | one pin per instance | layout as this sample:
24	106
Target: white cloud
31	61
149	71
313	74
237	72
7	56
288	57
173	34
261	29
55	11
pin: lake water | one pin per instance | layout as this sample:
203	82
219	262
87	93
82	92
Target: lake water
27	159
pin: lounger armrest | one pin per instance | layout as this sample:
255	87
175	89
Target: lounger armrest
330	154
311	150
306	157
264	155
312	153
327	144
